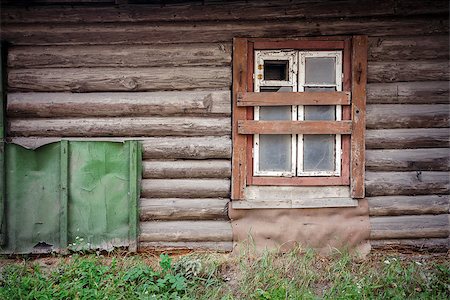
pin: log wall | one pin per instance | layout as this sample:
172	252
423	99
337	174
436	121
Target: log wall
163	75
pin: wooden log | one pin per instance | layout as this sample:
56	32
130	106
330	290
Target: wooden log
408	160
187	169
185	188
406	183
186	55
185	231
407	138
197	246
425	92
408	48
246	10
175	126
118	79
57	105
187	148
213	32
183	209
427	245
418	70
409	227
408	205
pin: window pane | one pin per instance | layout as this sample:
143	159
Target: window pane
275	152
318	152
320	112
276	70
320	70
320	89
275	89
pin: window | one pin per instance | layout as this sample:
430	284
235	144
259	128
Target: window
298	113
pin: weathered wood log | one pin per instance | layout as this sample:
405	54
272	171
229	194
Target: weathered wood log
247	10
408	48
187	169
408	205
118	79
418	70
428	245
119	104
408	160
185	231
409	227
407	138
425	92
176	126
212	32
187	148
406	183
197	246
173	55
185	188
183	209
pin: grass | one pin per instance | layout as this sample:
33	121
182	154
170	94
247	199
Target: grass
269	275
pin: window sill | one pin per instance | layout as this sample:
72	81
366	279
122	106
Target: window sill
300	203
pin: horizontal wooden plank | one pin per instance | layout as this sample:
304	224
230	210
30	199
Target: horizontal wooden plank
406	183
417	70
305	98
294	127
395	48
213	32
185	231
187	148
185	188
183	209
408	160
409	227
175	126
407	138
118	79
427	245
186	55
186	169
119	104
197	246
420	92
408	205
299	44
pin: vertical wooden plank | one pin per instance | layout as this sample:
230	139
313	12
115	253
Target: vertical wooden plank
359	80
239	160
135	162
346	110
2	145
64	195
250	110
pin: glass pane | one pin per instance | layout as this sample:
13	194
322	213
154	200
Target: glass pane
320	89
276	70
320	70
275	89
318	152
320	112
275	152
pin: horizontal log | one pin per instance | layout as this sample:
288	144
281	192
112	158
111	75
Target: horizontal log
408	48
305	98
185	231
427	245
119	104
186	55
183	209
185	188
294	127
247	10
407	138
197	246
408	205
187	169
406	183
421	92
118	79
417	70
409	227
187	148
408	160
213	32
175	126
381	116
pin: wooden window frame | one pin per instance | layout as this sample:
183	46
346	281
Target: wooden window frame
353	113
